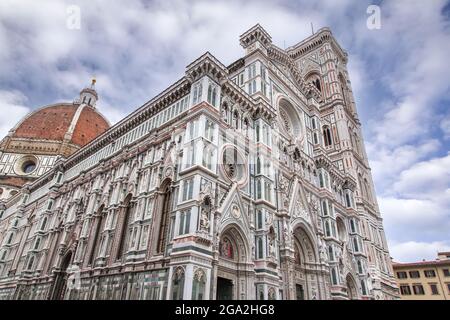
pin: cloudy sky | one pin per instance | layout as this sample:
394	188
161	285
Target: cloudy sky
400	76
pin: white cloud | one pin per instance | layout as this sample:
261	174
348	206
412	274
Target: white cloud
413	251
12	104
425	179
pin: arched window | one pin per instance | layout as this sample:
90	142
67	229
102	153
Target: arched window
360	267
43	224
212	93
30	263
178	284
198	285
327	229
334	280
363	288
10	238
327	136
260	219
37	243
258	165
355	244
260	248
127	211
166	209
96	235
348	202
330	253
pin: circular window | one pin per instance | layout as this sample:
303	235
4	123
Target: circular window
28	166
234	165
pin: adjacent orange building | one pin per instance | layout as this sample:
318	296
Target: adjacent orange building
425	280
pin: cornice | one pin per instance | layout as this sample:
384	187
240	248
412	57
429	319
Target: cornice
207	64
313	42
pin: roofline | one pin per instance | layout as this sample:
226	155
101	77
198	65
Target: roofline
421	263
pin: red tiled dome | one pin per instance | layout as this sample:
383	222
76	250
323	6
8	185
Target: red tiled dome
54	122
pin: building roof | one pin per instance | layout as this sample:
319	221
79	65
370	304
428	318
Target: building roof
421	263
63	121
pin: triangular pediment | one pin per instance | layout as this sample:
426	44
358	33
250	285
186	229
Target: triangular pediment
234	212
298	207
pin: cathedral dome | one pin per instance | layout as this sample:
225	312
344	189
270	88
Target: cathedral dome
70	122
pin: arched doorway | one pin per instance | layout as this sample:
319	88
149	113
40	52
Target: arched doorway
231	281
62	278
304	262
352	293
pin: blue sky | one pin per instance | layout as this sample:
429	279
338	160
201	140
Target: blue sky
400	76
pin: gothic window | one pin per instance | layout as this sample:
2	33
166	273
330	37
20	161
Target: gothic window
352	226
226	249
43	224
260	219
324	208
10	238
348	201
178	284
188	189
198	285
334	280
330	253
30	263
360	267
363	287
327	136
197	93
355	244
327	228
260	248
258	165
184	222
126	212
164	216
212	93
37	243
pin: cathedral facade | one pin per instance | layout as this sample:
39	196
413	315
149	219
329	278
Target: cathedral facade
247	181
